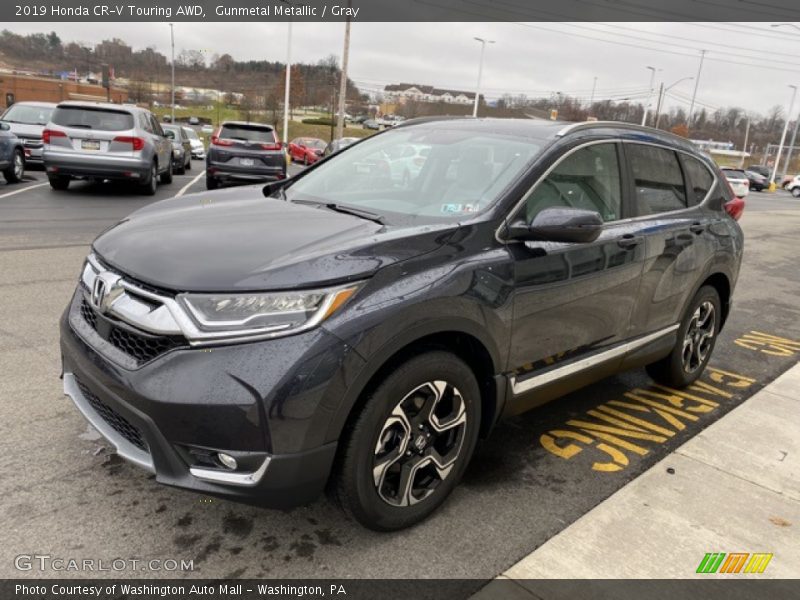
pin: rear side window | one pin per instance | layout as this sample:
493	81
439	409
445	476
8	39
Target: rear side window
92	118
658	179
248	133
588	178
700	179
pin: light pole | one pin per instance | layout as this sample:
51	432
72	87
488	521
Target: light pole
797	121
343	82
783	135
287	80
661	95
480	73
591	99
694	93
172	39
650	93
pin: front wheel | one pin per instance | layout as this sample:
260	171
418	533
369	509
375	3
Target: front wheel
16	170
411	443
796	192
697	336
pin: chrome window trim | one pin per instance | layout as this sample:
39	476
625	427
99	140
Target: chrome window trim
549	170
537	381
122	446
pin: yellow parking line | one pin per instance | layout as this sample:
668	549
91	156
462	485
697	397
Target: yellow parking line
24	189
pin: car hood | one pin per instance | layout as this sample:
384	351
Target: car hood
26	130
236	240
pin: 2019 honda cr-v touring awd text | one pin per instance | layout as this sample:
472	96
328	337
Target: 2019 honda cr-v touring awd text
345	329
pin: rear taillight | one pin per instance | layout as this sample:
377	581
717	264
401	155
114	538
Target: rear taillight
136	142
270	146
735	208
49	134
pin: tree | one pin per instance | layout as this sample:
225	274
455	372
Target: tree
681	129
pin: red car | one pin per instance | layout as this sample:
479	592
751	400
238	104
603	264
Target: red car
306	150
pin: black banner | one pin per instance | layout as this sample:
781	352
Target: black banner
397	10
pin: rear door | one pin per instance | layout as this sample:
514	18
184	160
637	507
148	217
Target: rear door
249	146
93	131
161	142
669	188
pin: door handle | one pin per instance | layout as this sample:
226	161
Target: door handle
697	227
629	240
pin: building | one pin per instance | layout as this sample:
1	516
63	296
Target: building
19	88
401	93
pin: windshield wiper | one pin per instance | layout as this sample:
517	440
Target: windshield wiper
348	210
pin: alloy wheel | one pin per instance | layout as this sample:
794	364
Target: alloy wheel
419	443
19	166
699	337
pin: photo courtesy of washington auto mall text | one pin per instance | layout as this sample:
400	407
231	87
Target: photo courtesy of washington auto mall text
392	299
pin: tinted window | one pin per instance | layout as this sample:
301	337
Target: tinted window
588	178
700	177
658	179
734	174
247	133
30	115
178	131
92	118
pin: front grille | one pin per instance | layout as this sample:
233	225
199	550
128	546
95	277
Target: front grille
141	347
119	423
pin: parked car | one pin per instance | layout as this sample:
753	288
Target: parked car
12	155
244	152
198	149
306	150
756	181
106	141
339	144
345	332
27	120
371	124
762	170
738	180
794	186
407	161
181	148
207	129
358	119
194	121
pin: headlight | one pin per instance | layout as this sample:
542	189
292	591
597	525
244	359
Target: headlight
253	314
176	152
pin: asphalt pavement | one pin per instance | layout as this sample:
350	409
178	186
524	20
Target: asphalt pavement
64	494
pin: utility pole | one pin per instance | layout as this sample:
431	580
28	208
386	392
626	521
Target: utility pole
172	40
744	146
288	79
480	73
343	82
649	94
783	135
696	84
658	104
591	100
791	146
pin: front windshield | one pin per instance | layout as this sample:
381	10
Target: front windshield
426	174
314	143
27	114
191	133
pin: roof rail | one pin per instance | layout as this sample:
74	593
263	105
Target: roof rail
572	127
431	119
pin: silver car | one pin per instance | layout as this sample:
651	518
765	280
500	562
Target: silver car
198	149
94	140
27	120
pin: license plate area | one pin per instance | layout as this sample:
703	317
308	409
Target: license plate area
247	162
90	145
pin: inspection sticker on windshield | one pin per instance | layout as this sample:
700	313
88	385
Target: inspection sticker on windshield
459	208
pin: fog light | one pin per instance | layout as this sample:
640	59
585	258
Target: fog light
227	460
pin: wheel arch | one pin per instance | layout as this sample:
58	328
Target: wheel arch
720	282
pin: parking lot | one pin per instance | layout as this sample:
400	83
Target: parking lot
537	474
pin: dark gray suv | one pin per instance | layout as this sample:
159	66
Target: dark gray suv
244	152
342	328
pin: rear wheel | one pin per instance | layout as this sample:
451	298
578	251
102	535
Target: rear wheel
59	182
16	170
150	186
166	176
188	165
411	443
697	336
796	192
182	168
211	183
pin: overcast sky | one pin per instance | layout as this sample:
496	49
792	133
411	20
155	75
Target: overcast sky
533	58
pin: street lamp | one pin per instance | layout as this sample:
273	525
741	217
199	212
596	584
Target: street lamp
661	94
650	93
783	135
172	39
288	79
480	73
797	121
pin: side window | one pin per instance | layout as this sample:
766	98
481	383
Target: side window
156	126
144	123
658	179
588	178
700	179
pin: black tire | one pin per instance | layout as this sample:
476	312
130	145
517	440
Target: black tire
166	176
60	183
150	186
673	370
370	433
181	169
211	183
16	170
188	165
796	192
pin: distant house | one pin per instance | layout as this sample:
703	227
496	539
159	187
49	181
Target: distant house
403	92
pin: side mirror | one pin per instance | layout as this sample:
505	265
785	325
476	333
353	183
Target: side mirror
568	225
4	126
273	186
169	135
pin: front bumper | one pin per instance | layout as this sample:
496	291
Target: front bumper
266	403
